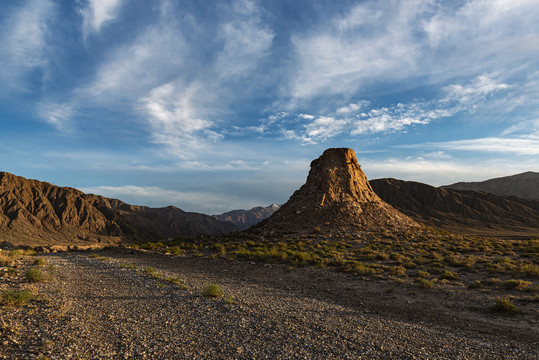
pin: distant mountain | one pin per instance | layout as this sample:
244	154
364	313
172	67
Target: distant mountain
525	185
336	196
244	219
38	213
461	211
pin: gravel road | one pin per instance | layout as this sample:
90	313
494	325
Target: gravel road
99	309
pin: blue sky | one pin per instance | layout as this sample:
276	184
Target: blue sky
217	105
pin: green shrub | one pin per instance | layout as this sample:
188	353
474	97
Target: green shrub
516	284
425	284
16	298
504	305
212	290
397	270
34	275
40	261
530	270
359	268
448	275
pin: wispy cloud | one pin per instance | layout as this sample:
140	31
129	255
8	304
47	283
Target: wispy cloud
528	145
97	13
57	115
24	38
436	171
394	41
358	119
176	120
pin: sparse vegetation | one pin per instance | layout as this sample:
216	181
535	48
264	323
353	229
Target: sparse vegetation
12	297
34	275
516	284
212	290
425	284
504	305
40	261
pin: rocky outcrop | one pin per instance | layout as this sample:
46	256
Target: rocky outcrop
36	213
525	185
461	211
336	195
244	219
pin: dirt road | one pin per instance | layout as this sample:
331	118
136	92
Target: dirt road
108	307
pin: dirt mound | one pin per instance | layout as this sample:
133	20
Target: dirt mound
38	213
462	211
336	195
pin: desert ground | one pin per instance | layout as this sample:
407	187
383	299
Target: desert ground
125	303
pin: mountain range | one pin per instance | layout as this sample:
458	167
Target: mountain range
37	213
335	196
461	211
244	219
525	185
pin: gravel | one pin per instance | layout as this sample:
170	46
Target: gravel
95	308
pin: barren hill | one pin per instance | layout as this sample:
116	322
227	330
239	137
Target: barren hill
34	212
525	185
461	211
244	219
336	195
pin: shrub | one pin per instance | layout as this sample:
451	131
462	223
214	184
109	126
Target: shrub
212	290
5	259
530	270
34	276
397	270
359	268
449	275
16	298
40	261
149	270
504	305
425	284
516	284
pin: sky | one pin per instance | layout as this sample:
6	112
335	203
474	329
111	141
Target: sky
218	105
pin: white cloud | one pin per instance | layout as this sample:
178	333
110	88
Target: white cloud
57	115
176	119
245	40
381	41
322	128
353	108
520	146
98	13
438	172
396	118
480	88
357	118
136	68
24	38
158	197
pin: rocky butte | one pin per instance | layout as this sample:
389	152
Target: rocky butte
336	195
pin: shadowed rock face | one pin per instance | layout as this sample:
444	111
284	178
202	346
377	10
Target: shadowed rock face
525	185
38	213
336	195
463	211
